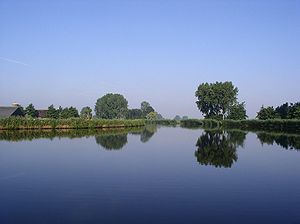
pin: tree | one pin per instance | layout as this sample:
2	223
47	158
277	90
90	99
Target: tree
151	116
31	111
185	118
52	112
73	112
283	110
267	113
294	111
135	114
86	113
215	99
218	148
146	108
237	112
112	142
111	106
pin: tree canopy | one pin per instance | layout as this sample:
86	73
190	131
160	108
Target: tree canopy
237	112
111	106
31	111
146	108
215	99
86	113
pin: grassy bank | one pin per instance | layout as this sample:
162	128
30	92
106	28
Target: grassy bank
276	125
18	123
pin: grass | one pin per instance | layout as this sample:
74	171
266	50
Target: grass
19	123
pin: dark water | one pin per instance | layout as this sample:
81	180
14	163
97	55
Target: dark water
164	175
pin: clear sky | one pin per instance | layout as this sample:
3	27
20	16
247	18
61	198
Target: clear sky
70	53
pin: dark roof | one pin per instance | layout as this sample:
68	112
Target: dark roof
7	111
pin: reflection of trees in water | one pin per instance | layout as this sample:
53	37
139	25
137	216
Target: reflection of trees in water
112	142
118	141
287	141
148	132
218	148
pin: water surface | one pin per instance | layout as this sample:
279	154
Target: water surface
149	175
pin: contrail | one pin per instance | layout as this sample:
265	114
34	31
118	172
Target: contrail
13	61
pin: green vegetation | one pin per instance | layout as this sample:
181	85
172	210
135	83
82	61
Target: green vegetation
218	100
111	106
237	112
203	123
86	113
146	108
31	111
279	125
218	148
164	122
15	123
285	111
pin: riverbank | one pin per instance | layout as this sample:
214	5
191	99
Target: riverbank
18	123
275	125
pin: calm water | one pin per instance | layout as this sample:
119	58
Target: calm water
153	175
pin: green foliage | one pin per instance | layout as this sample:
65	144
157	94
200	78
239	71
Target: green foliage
151	116
86	113
287	141
218	148
135	114
185	118
111	106
266	113
215	99
237	112
31	111
203	123
112	142
14	123
275	125
52	112
146	108
285	111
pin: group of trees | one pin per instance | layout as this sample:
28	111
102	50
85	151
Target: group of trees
285	111
115	106
219	101
63	113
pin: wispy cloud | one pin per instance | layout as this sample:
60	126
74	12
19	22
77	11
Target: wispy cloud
13	61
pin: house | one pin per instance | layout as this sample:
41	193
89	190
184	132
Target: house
42	113
10	111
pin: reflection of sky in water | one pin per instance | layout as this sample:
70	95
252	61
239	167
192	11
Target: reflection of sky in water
77	180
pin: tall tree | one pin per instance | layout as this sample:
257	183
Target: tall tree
111	106
135	114
31	111
237	112
215	99
52	112
86	113
267	113
146	108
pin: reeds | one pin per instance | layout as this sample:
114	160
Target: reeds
17	123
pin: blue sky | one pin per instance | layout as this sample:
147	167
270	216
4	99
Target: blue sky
73	52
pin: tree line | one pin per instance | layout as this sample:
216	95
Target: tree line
219	101
109	106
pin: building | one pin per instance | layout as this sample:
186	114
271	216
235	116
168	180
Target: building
10	111
42	113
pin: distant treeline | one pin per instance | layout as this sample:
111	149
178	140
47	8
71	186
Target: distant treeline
285	111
